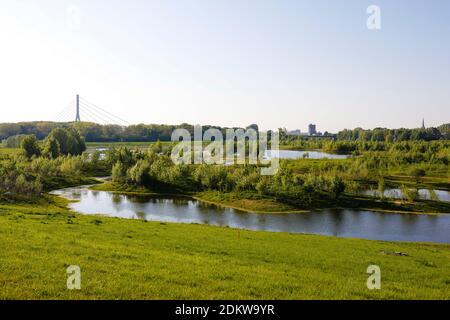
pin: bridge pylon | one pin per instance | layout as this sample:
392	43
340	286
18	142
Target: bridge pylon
77	117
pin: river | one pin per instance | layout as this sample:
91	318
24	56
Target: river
339	223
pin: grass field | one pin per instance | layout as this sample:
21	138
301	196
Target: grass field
133	259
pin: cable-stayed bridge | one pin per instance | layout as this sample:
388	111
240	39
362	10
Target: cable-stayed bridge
80	109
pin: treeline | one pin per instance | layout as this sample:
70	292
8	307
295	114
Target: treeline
22	177
93	132
378	139
58	142
394	135
358	147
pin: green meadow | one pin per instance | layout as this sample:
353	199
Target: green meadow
134	259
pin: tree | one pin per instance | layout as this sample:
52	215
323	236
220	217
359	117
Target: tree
69	140
157	147
72	166
14	141
139	173
51	148
409	194
96	157
30	146
119	173
337	186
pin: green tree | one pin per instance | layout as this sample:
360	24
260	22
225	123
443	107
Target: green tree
140	173
409	194
70	141
337	186
51	148
30	146
119	173
95	157
157	147
72	166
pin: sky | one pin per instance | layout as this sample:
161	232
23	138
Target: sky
275	63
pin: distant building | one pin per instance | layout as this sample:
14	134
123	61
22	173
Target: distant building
312	129
423	123
296	132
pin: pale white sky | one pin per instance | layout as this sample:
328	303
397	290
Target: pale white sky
231	63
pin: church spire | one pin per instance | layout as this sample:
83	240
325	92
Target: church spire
423	123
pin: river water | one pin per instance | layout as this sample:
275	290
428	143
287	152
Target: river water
441	195
339	223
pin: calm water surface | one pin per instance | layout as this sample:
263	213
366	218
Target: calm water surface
340	223
308	154
441	195
281	154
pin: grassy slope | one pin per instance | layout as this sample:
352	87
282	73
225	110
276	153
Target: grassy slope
123	259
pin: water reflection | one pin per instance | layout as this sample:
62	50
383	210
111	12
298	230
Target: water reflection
341	223
307	154
281	154
425	194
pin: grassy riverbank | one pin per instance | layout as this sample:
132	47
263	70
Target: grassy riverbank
133	259
253	202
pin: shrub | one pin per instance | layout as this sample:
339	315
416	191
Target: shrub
337	186
30	146
51	148
70	141
119	173
139	173
71	166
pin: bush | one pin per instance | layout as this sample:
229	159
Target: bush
69	140
30	146
119	173
71	166
45	167
14	182
51	148
139	173
337	186
14	141
409	194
